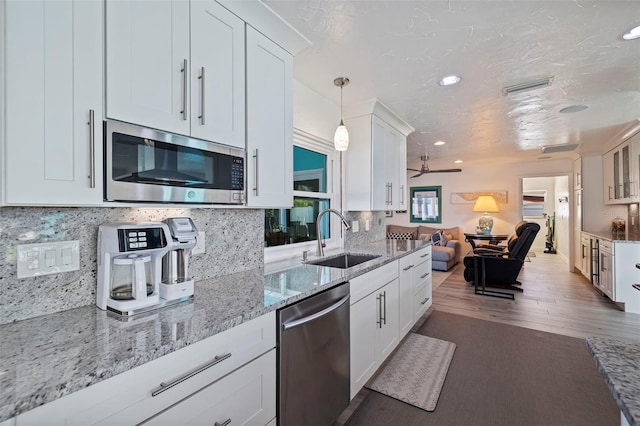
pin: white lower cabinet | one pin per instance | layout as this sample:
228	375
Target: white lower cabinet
374	323
191	375
245	397
415	287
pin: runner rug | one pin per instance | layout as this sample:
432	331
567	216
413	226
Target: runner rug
416	371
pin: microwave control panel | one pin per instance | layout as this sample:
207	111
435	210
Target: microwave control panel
237	173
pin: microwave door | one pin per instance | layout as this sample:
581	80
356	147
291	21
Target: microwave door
165	176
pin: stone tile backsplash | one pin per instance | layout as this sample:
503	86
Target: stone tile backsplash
377	231
234	243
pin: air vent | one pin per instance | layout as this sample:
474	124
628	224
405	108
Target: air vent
559	148
523	87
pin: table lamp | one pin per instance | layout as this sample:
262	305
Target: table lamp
486	204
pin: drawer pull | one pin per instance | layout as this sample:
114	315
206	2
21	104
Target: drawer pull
225	423
425	255
424	276
424	301
408	267
164	386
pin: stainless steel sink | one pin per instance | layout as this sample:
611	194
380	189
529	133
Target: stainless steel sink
344	260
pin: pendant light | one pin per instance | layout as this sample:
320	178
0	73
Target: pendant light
341	137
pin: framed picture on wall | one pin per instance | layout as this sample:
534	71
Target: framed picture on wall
426	204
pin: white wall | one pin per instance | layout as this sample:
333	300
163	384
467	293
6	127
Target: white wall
486	178
563	219
314	113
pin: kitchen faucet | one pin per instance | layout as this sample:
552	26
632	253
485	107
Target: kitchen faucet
320	243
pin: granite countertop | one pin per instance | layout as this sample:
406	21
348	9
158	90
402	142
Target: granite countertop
45	358
619	364
627	237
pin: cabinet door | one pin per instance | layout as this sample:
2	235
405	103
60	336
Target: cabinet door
405	295
391	150
608	174
379	177
403	193
217	74
245	397
389	332
635	168
585	257
606	273
269	123
53	87
363	329
147	50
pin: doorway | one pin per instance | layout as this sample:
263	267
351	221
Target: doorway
546	201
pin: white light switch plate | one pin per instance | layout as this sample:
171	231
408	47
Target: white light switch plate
200	247
48	258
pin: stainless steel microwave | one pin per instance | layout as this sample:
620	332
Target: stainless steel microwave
147	165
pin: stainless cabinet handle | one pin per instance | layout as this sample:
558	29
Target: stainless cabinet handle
610	188
92	149
425	255
255	186
201	78
603	267
164	386
225	423
379	320
408	267
391	193
424	276
424	301
184	89
384	318
402	195
289	325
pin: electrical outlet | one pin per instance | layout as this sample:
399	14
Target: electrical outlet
48	258
355	226
367	225
200	247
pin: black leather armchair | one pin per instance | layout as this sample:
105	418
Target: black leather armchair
500	266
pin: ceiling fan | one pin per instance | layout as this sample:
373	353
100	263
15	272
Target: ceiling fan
425	168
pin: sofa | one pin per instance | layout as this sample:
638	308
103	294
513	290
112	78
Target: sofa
443	257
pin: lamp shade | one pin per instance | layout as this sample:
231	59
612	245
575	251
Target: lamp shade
341	138
486	203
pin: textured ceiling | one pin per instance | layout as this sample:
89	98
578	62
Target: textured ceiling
397	51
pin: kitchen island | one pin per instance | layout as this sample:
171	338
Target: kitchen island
48	357
619	364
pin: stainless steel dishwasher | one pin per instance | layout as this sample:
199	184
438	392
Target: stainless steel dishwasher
313	359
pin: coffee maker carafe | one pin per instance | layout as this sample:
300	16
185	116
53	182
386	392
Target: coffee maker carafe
176	284
129	266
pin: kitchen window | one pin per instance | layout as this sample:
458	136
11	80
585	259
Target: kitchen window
289	231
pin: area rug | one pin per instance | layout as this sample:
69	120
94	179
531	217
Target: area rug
415	373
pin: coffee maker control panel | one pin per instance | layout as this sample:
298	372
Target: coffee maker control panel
141	239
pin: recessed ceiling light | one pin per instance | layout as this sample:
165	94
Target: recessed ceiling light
449	80
574	108
632	34
458	161
439	143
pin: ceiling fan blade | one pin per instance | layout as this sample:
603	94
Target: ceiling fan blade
445	171
418	175
414	170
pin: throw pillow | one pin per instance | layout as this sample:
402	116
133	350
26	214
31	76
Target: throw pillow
446	237
399	235
436	238
424	237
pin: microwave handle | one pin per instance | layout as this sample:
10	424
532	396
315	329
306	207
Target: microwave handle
255	184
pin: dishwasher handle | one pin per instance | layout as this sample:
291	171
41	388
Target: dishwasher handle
326	311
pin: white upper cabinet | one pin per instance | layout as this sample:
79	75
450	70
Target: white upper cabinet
621	172
147	50
177	66
375	163
53	102
217	74
269	123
